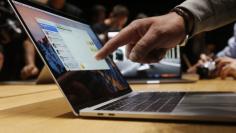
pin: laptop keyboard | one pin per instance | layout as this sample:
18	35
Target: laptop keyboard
146	102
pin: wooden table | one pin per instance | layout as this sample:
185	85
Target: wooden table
41	108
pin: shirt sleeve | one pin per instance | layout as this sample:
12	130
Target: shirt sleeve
230	50
210	14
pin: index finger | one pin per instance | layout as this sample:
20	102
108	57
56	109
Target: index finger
121	39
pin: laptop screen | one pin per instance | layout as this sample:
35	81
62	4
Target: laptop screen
168	67
68	47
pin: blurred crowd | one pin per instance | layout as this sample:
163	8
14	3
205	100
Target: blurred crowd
17	54
19	60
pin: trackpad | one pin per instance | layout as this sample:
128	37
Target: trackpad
208	104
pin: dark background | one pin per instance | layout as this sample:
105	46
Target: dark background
149	7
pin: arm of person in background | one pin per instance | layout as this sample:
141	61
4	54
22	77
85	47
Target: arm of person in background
203	59
226	62
226	67
224	57
148	39
30	69
230	49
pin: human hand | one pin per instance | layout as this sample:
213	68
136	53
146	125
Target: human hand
29	71
226	66
147	40
203	59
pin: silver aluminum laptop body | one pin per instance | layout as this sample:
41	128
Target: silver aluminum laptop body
91	87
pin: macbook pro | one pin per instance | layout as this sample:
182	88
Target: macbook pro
97	88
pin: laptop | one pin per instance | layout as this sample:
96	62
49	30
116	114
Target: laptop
168	70
97	88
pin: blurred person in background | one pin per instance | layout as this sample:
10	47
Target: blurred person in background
2	16
64	6
225	60
115	22
98	14
30	69
118	18
17	54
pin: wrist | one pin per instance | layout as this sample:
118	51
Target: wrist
188	23
179	27
187	17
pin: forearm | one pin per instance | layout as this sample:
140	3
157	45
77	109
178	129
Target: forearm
210	14
29	52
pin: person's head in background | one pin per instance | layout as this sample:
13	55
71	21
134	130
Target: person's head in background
118	17
67	8
57	4
98	14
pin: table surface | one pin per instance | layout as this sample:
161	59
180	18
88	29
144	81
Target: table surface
42	108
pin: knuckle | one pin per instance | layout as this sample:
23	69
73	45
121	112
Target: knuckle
142	46
159	31
137	23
